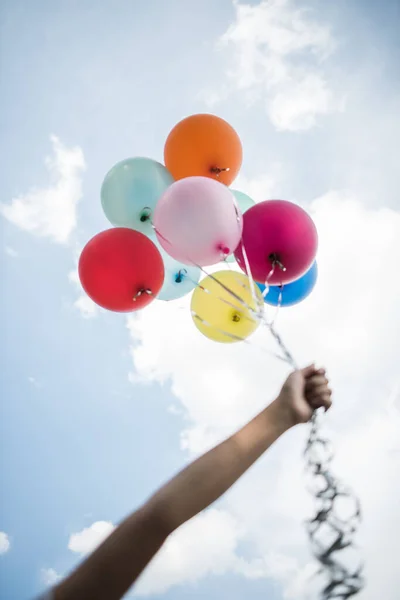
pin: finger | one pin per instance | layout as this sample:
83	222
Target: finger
318	391
322	401
311	371
308	371
315	381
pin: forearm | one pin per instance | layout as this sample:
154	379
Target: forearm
211	475
109	572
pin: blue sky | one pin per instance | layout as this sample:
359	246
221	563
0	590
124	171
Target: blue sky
81	442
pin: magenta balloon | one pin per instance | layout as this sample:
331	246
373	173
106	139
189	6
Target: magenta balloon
197	221
283	229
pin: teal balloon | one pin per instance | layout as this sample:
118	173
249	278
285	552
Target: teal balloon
244	202
179	279
131	190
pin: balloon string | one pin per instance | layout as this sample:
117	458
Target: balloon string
245	316
268	278
225	301
275	262
217	281
257	314
278	306
217	329
235	337
250	276
343	583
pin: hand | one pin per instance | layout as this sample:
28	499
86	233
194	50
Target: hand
302	393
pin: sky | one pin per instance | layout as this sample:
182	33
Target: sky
98	409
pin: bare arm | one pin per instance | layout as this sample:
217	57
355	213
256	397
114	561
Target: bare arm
211	475
110	571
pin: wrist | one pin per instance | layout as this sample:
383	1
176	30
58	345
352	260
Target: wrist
280	416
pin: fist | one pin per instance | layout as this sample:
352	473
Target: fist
303	392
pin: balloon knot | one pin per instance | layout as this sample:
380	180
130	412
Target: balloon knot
275	261
217	170
141	292
145	214
236	318
180	276
225	251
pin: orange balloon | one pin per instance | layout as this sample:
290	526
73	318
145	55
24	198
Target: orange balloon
203	145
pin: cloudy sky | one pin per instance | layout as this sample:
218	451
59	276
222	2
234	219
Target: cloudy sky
98	409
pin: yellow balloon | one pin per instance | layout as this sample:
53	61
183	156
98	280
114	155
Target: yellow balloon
218	314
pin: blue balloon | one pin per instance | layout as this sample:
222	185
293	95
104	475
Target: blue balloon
294	292
179	279
131	190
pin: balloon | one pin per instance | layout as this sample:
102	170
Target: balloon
277	230
130	191
179	279
197	221
228	320
203	145
121	269
294	292
244	202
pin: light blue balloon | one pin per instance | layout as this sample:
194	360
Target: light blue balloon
131	190
244	202
179	279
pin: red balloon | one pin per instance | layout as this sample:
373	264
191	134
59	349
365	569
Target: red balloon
280	231
121	269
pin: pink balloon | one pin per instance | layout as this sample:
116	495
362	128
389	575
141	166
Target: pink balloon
197	221
282	230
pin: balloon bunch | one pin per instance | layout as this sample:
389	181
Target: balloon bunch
172	221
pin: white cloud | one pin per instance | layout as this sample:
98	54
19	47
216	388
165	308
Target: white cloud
367	456
261	188
4	542
207	545
351	324
203	546
49	577
277	53
86	307
85	541
297	106
51	211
